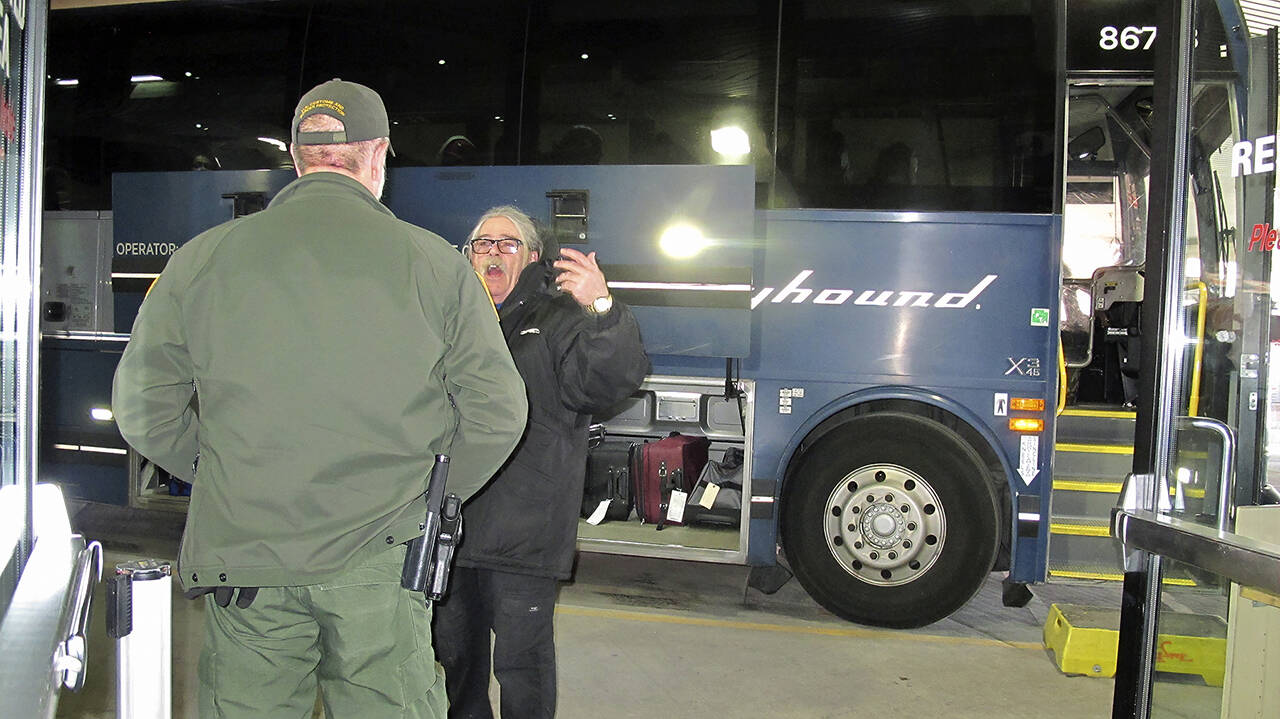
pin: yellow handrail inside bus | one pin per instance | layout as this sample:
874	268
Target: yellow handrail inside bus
1193	406
1062	378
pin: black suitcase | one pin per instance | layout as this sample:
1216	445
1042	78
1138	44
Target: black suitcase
726	505
608	478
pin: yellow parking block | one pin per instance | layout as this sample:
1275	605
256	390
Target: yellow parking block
1084	640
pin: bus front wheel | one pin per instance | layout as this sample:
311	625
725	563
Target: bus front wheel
890	520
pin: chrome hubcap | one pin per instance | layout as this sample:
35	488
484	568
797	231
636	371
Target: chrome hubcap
884	524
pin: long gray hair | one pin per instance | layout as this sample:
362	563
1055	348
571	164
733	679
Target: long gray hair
524	225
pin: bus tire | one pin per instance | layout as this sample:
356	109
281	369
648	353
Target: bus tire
890	520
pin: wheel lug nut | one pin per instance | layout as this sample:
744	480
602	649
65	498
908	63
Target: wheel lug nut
906	544
853	527
857	545
888	498
874	555
911	526
905	509
893	555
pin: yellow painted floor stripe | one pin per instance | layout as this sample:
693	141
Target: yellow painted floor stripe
1080	530
1112	577
1115	413
1093	448
849	632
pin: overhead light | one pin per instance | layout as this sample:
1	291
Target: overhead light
585	56
273	141
90	448
67	82
187	73
199	126
102	414
145	78
440	61
730	141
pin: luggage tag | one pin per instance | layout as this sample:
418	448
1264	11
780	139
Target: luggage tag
709	492
675	508
598	516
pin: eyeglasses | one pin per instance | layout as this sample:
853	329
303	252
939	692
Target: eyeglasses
506	245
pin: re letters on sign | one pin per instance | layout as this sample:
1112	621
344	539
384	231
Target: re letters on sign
1248	158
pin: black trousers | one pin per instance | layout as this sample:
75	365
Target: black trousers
518	609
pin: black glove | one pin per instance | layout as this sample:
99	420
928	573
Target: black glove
222	595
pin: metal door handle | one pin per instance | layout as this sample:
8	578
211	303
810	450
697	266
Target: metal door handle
72	654
1228	437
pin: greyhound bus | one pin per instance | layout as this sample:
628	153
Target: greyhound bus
892	251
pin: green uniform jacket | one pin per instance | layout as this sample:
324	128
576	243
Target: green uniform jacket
308	353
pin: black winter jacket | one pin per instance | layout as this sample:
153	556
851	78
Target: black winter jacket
574	364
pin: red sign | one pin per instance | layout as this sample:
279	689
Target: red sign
1263	237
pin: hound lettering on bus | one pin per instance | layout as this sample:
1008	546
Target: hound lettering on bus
1248	158
797	293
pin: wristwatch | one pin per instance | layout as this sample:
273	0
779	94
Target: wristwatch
601	305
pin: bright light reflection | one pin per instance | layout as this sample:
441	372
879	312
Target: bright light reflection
145	78
682	241
273	141
1193	267
730	141
102	414
67	82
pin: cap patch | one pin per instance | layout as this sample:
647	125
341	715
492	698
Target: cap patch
323	104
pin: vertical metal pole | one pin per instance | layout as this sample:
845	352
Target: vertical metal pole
144	650
1254	309
1161	359
30	199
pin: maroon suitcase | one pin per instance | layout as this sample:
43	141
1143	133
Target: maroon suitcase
658	467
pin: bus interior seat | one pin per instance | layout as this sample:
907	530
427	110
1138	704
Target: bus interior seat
1111	376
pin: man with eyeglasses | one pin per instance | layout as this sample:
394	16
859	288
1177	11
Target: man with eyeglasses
579	352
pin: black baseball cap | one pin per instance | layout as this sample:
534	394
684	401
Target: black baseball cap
358	107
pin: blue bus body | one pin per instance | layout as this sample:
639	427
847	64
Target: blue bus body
951	314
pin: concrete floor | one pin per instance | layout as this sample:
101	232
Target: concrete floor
644	638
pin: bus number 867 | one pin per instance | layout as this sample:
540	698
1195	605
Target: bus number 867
1111	38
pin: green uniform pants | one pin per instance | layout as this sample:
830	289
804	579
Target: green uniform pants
361	637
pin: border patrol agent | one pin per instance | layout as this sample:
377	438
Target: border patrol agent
301	366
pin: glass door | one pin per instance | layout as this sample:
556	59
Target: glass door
21	61
47	570
1205	399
